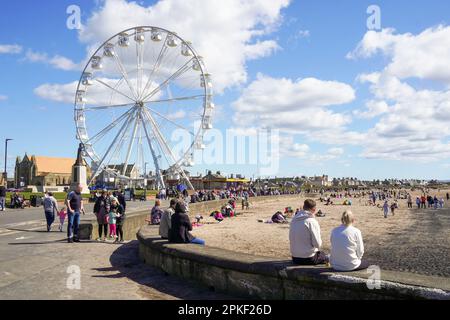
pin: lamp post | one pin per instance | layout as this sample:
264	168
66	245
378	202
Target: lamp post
145	181
6	160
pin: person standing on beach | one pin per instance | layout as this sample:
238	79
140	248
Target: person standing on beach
418	202
304	237
409	201
386	208
74	203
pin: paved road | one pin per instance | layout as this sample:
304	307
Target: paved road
34	265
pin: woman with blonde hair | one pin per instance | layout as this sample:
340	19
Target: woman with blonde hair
347	246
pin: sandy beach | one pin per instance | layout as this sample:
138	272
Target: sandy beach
413	240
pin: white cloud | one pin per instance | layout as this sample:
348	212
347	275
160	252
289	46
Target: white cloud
57	61
423	56
225	33
297	106
10	49
413	123
3	97
373	109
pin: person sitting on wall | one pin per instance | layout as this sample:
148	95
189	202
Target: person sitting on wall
166	219
347	248
181	225
304	237
156	213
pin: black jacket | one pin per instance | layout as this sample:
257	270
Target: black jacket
181	225
2	191
120	210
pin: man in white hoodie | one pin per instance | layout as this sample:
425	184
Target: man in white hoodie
304	237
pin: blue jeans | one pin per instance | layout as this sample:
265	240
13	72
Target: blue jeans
73	221
198	241
2	203
50	217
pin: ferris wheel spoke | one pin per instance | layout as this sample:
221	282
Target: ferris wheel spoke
119	144
155	66
108	107
175	75
101	164
113	89
152	151
125	75
177	99
109	127
130	146
164	145
169	120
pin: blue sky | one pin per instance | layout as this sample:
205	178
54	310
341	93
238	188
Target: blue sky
363	128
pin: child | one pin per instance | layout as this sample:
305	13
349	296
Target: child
112	224
62	217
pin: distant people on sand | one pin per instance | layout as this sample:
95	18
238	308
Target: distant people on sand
386	208
347	248
50	208
410	203
304	237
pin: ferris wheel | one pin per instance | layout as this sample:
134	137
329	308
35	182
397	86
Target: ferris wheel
137	88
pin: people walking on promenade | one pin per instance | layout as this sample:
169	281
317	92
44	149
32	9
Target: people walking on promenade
117	208
50	207
304	237
101	211
2	198
112	220
347	248
74	203
62	217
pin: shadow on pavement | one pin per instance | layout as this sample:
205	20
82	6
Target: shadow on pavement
126	263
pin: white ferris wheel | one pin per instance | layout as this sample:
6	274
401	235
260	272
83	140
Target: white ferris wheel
136	89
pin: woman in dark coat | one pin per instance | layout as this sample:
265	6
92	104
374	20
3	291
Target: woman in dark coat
181	225
101	211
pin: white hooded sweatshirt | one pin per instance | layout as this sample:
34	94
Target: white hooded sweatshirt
304	235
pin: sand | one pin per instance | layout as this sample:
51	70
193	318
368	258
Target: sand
413	240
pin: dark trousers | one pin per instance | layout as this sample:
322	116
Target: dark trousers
73	223
50	217
120	231
102	228
318	258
